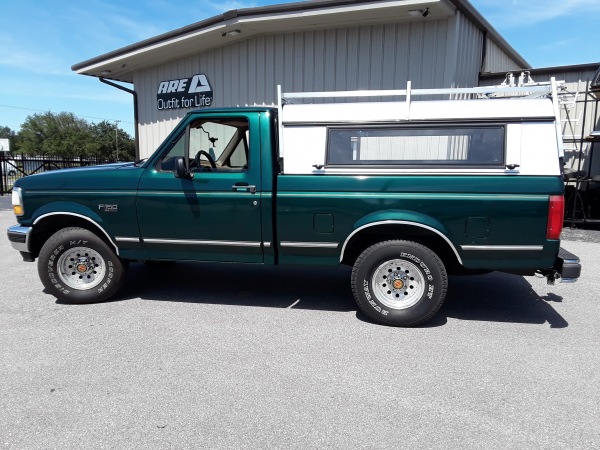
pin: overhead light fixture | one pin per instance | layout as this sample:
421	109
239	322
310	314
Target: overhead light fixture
419	12
105	72
231	33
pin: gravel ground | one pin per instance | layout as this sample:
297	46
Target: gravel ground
222	356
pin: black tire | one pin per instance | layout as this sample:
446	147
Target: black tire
76	266
399	283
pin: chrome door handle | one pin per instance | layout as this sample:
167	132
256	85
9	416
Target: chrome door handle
244	187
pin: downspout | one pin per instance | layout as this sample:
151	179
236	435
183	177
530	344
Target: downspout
484	51
135	112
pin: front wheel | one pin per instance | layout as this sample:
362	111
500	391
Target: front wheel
399	283
77	266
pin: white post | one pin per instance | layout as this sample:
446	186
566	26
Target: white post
408	93
280	119
559	137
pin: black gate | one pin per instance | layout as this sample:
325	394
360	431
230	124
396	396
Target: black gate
14	166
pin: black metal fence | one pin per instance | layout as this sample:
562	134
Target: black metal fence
14	166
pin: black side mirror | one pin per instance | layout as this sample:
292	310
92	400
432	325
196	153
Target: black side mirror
181	170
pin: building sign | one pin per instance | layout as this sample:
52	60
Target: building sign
194	92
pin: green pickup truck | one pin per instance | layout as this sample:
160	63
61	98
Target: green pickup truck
405	191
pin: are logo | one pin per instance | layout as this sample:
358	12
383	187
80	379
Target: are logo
193	92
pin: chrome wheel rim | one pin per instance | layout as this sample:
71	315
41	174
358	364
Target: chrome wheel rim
81	268
398	284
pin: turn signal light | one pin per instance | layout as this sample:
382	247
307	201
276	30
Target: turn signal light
17	201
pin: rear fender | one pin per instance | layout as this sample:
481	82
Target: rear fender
400	217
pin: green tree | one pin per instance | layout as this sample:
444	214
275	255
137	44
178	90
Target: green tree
113	143
61	134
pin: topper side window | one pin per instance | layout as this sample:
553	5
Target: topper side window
422	146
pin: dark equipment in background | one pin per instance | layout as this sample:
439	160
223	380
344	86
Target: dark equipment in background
582	190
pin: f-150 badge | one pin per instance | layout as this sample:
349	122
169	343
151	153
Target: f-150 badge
109	208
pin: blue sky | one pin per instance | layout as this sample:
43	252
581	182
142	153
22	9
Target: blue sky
41	39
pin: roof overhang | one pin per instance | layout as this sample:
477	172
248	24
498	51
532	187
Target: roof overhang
211	33
121	64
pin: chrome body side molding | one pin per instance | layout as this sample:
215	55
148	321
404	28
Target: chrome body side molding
201	242
291	244
503	248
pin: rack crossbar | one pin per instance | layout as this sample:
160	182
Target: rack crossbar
407	92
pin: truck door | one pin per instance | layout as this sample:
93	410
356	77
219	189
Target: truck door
214	214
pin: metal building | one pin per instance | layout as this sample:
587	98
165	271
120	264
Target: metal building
239	58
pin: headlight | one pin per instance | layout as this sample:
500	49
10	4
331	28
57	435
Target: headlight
17	201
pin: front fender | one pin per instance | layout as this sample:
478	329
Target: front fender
64	208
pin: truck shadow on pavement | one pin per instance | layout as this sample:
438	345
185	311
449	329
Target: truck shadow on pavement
498	297
495	297
299	287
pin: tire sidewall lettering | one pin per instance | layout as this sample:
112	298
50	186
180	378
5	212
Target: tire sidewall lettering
369	296
109	276
420	263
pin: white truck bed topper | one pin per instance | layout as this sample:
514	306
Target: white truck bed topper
306	121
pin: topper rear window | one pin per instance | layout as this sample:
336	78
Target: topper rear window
438	146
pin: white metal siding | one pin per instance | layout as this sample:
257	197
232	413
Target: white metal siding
470	47
496	60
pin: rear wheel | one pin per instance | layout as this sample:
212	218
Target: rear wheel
76	266
399	283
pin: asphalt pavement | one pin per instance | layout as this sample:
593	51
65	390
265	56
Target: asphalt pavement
233	356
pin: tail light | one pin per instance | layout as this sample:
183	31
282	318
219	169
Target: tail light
556	211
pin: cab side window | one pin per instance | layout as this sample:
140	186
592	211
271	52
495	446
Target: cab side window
211	145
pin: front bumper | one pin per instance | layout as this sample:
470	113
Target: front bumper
568	266
19	237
